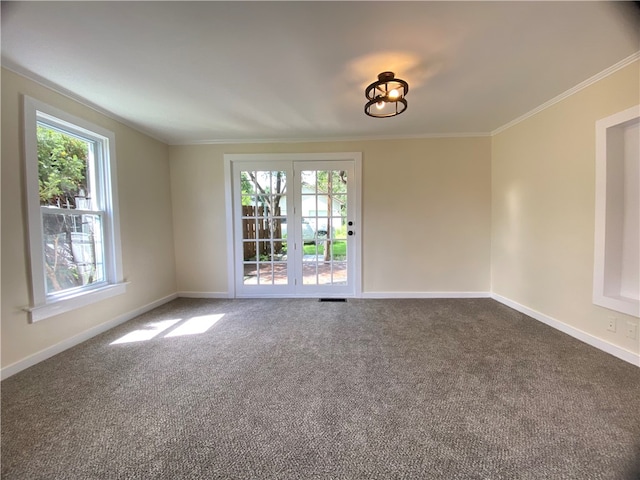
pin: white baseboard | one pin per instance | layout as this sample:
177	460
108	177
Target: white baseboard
585	337
49	352
203	295
426	295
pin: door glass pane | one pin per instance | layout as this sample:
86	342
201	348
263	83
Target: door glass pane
309	272
339	273
250	273
265	274
279	228
248	227
248	200
265	251
324	274
280	273
339	230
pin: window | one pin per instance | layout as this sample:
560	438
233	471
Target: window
72	207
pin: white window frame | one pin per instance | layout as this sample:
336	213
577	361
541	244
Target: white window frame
44	305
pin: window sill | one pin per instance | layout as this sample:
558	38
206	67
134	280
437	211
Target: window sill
81	299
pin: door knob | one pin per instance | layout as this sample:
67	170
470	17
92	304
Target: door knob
350	232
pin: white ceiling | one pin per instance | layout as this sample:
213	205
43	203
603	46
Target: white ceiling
190	72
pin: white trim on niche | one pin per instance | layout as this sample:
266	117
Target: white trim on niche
616	220
585	337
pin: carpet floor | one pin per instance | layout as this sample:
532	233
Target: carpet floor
299	389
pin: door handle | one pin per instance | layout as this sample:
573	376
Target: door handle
350	232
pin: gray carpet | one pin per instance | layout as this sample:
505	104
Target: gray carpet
288	389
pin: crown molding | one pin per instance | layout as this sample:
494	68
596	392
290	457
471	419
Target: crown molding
332	139
581	86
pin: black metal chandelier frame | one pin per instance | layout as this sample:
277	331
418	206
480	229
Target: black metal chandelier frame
380	92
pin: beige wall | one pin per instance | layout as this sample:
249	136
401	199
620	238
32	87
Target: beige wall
543	197
145	221
425	213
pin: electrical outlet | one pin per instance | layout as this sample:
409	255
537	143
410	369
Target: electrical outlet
611	324
632	330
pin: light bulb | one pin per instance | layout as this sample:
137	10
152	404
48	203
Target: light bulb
380	105
393	94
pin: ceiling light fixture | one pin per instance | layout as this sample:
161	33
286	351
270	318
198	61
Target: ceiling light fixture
387	94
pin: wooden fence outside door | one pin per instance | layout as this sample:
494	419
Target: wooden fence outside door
258	227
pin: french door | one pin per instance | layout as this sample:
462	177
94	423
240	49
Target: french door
295	227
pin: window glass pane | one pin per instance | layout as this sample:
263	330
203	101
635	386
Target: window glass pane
64	169
74	250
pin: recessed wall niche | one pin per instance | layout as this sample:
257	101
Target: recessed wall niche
617	224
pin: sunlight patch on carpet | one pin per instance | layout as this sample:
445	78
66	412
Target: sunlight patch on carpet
153	329
195	325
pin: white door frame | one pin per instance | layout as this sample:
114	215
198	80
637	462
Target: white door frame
231	158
